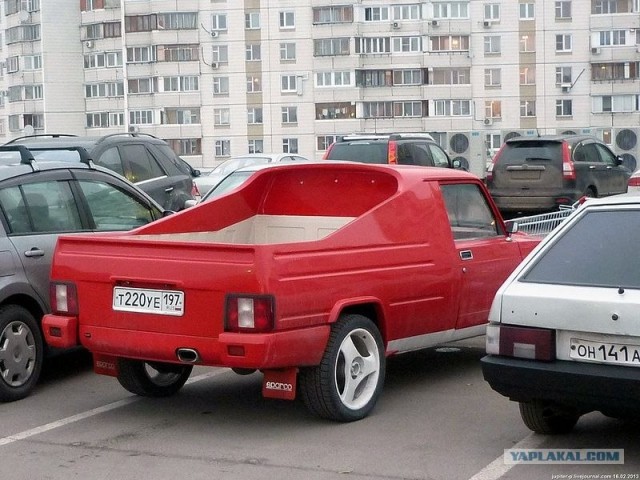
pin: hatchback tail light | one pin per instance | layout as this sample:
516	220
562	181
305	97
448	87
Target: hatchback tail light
568	169
63	298
393	152
195	191
521	342
634	181
249	313
491	164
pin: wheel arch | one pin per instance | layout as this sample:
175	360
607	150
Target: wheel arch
371	308
27	301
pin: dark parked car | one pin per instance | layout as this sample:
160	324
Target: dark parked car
536	174
38	201
399	148
143	159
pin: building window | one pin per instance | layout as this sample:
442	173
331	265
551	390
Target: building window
289	114
493	141
615	103
492	77
563	75
563	43
252	53
493	109
142	85
254	115
180	116
177	21
141	117
179	53
449	43
287	51
564	108
104	90
222	148
377	109
221	85
141	54
451	10
324	141
288	83
376	14
221	117
289	145
335	111
492	12
408	77
407	109
527	11
369	45
528	75
492	44
254	84
407	44
186	146
452	108
333	79
528	42
140	23
331	46
339	14
451	76
527	108
220	54
256	146
563	9
252	21
603	7
406	12
182	84
287	20
615	37
219	22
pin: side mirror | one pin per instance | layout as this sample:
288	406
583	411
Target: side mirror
512	226
619	160
196	173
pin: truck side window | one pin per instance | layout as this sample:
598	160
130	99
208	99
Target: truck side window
469	213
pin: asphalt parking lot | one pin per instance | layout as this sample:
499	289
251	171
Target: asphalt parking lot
436	419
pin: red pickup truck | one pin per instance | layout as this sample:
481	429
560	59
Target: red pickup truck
311	273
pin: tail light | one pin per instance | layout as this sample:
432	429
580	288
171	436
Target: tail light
393	152
634	181
249	314
568	169
327	151
491	164
521	342
63	298
195	191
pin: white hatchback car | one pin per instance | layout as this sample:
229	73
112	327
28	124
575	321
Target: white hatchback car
564	331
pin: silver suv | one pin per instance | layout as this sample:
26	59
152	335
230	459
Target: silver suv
38	201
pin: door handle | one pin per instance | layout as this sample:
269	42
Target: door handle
466	255
34	252
169	189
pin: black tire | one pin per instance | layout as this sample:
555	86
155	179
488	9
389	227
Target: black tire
548	418
340	388
152	379
590	192
21	352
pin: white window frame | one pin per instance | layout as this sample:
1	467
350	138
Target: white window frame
252	21
288	83
527	11
492	12
289	115
565	42
492	77
219	22
287	51
290	145
287	20
221	117
492	44
254	115
562	105
222	147
221	85
527	108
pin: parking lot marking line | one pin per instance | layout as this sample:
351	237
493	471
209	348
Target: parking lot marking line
90	413
497	469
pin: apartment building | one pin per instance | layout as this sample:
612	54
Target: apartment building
218	78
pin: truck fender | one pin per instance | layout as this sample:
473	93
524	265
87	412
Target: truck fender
370	307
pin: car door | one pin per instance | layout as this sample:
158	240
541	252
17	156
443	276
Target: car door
36	212
617	174
485	254
590	169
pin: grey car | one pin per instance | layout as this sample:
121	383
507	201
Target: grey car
38	201
537	174
143	159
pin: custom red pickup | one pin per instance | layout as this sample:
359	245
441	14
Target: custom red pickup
311	273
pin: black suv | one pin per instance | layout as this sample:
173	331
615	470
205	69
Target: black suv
537	174
398	148
145	160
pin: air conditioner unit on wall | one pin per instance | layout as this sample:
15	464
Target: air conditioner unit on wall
214	34
395	25
435	23
215	65
566	87
487	23
89	43
488	121
595	50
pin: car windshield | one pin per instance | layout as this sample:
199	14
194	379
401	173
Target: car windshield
596	251
229	183
364	152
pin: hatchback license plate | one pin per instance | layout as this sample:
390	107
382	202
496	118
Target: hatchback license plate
602	352
144	300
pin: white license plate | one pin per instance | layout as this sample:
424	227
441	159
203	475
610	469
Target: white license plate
601	352
145	300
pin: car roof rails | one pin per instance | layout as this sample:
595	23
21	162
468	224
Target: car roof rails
26	157
126	134
41	135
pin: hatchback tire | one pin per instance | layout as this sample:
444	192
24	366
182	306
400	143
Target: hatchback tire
548	418
152	379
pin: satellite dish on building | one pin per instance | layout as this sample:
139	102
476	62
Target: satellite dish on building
23	16
28	130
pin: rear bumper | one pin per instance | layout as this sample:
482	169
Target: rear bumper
587	386
302	347
534	203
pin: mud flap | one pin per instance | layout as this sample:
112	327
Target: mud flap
280	383
105	364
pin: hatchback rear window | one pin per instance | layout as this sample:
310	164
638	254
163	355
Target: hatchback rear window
363	152
597	251
517	153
